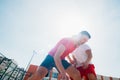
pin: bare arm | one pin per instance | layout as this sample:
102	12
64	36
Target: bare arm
72	60
57	59
75	61
69	59
89	53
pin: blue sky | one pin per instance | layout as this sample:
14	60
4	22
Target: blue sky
27	25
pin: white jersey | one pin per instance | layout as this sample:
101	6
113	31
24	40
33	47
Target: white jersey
80	54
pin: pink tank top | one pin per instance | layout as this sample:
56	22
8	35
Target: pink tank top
69	45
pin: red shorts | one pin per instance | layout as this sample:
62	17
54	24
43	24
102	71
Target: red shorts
85	72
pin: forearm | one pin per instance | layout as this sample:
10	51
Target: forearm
59	65
57	59
69	59
89	56
75	60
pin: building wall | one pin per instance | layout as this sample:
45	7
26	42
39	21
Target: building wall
9	69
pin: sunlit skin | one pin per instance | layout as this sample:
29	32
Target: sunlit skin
84	39
81	39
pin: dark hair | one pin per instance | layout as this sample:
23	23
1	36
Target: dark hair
85	33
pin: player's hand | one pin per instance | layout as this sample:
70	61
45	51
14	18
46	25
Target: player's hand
63	76
71	61
75	64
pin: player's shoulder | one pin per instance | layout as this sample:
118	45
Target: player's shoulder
85	46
